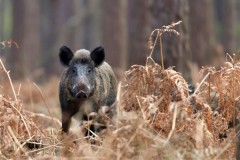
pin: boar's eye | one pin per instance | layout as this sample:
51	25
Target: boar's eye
73	70
89	70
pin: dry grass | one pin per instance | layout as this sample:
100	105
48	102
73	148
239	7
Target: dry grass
156	117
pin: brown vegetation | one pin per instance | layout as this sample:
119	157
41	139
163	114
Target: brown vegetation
156	118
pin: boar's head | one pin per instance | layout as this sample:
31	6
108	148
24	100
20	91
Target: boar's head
80	73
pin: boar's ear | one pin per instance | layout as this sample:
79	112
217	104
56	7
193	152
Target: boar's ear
98	56
65	55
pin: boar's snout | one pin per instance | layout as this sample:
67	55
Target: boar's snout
81	95
82	91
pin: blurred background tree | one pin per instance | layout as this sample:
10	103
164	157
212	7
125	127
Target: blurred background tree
175	49
202	31
210	28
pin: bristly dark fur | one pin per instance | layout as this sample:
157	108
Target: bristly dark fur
65	55
104	85
98	55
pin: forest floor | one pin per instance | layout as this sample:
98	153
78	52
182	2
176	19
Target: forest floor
156	118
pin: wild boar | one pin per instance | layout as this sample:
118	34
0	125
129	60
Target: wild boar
87	83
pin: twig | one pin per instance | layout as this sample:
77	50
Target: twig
118	100
168	28
222	151
39	90
209	89
9	43
91	132
233	93
173	125
19	88
156	104
201	83
22	117
50	146
161	52
228	56
9	78
154	42
26	141
144	116
17	142
119	114
126	146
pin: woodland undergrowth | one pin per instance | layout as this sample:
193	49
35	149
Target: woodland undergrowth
156	117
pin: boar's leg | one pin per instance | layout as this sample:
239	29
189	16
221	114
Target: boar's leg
66	121
67	112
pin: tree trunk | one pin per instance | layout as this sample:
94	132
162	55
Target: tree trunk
139	31
201	31
31	47
15	58
114	32
229	25
62	30
91	24
48	28
176	51
25	60
80	11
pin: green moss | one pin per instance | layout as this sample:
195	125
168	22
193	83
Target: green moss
238	33
7	19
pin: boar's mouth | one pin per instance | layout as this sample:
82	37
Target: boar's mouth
82	95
